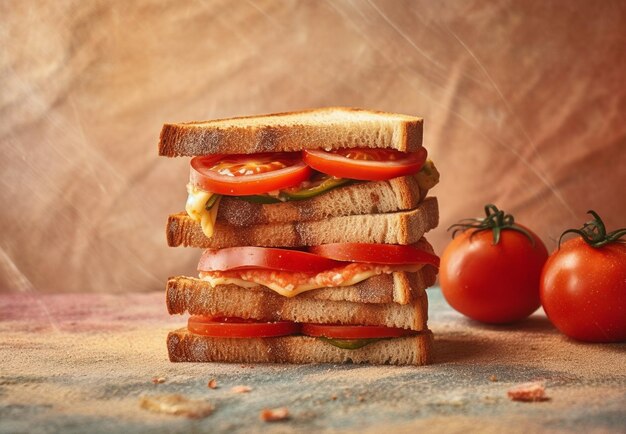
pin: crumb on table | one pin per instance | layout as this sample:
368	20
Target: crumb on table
274	414
528	392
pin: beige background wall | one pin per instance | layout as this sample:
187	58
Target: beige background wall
524	101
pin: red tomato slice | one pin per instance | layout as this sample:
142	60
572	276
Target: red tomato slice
388	254
353	332
239	328
242	175
237	258
365	164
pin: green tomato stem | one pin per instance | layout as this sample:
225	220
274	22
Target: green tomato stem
594	232
496	221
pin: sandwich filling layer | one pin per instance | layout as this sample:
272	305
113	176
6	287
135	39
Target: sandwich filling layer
344	336
280	177
290	284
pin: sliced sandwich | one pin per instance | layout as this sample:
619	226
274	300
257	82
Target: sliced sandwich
313	226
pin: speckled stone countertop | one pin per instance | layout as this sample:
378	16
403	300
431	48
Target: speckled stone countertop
81	362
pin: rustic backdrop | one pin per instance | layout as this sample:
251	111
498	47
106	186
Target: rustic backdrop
524	102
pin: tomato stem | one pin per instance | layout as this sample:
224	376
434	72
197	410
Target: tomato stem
594	232
496	221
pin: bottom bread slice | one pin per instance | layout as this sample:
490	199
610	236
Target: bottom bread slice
184	346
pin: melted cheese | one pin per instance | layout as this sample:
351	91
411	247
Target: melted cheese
428	176
291	290
286	291
196	208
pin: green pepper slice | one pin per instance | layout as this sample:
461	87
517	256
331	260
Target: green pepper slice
314	190
317	187
259	198
209	203
349	344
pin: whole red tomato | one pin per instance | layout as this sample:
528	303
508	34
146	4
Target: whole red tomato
583	285
490	272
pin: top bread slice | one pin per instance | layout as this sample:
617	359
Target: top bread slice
324	128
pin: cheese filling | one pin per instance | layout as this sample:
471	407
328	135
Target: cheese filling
196	208
290	284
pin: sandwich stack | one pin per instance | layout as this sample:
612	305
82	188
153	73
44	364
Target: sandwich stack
312	225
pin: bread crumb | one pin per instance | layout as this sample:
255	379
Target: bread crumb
493	378
274	414
212	384
158	380
528	392
241	389
176	405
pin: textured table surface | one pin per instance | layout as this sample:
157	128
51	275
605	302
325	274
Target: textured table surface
80	363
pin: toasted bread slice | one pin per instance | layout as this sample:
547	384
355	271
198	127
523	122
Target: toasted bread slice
199	298
325	128
187	347
405	227
398	194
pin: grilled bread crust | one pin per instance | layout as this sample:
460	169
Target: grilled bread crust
187	347
324	128
403	227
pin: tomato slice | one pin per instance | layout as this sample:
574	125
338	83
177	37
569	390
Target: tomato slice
239	258
242	174
334	331
365	164
387	254
239	328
